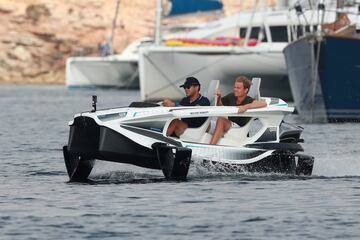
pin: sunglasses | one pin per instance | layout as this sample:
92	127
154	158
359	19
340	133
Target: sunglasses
189	86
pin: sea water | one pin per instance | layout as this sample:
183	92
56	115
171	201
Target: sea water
127	202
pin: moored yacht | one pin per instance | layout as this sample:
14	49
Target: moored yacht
323	67
260	38
117	70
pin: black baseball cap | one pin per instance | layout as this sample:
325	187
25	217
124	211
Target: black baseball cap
190	81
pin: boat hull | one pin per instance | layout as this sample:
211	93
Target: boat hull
89	141
163	70
325	88
107	72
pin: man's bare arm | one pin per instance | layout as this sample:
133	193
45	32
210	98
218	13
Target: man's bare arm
253	105
168	103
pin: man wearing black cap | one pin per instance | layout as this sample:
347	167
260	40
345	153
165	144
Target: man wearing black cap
193	98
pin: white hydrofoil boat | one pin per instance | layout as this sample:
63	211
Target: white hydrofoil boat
137	135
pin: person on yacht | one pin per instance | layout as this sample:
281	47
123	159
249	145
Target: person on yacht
238	98
193	98
341	27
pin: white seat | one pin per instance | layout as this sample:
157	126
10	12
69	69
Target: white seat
238	135
195	134
254	90
210	93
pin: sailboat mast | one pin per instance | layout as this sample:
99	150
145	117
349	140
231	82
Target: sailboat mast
158	22
114	27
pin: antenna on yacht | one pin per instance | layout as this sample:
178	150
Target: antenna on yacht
321	15
111	40
94	101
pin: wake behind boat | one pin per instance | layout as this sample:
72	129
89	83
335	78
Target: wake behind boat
137	135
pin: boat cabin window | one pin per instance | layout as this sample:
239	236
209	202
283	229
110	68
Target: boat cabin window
300	30
278	33
254	33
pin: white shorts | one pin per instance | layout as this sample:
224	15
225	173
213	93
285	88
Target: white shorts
213	125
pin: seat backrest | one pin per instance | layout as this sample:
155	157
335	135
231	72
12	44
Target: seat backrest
210	93
254	90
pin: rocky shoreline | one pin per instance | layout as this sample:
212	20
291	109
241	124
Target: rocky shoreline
37	36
